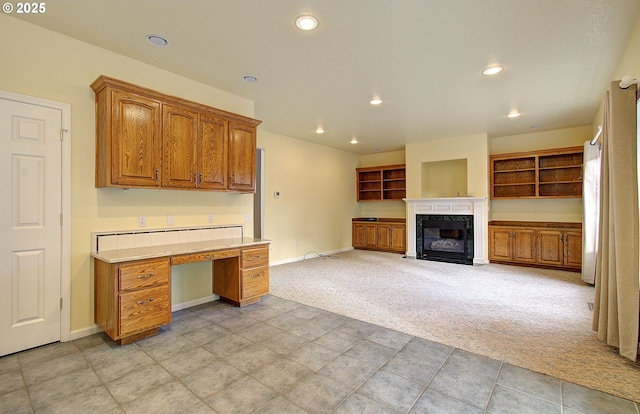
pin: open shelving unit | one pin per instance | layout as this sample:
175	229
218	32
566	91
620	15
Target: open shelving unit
555	173
383	183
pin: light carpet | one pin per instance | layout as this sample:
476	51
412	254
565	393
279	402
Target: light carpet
537	319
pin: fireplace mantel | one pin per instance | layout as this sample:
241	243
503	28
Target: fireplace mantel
475	206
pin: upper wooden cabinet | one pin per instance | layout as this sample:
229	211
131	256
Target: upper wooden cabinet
242	157
555	173
146	139
382	183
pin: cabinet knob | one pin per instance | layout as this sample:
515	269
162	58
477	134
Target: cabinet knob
144	302
157	175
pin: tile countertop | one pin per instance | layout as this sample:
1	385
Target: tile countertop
139	253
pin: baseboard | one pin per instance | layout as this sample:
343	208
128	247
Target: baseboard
195	302
310	255
81	333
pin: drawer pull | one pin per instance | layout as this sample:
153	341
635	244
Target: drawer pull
144	302
146	276
210	256
254	276
255	257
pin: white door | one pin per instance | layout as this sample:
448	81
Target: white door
30	224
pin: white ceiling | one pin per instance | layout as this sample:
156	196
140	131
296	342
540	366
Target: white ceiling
424	58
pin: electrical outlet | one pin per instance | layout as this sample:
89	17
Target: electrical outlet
210	218
297	243
170	220
142	221
247	217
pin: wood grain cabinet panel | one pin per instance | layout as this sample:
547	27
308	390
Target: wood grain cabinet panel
147	139
133	159
541	244
242	158
179	147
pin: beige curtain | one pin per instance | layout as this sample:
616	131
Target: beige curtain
615	316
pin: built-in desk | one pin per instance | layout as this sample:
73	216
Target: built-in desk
132	287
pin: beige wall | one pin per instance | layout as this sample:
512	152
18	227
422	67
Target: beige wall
317	197
474	148
318	191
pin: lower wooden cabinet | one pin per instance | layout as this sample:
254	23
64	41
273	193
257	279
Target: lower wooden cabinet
242	280
542	244
132	299
388	235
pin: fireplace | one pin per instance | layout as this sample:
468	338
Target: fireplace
449	207
445	238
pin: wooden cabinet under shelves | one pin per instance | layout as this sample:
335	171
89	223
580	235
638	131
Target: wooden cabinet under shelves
542	244
146	139
387	235
384	183
555	173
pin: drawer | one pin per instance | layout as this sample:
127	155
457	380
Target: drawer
144	309
144	274
255	282
255	257
204	256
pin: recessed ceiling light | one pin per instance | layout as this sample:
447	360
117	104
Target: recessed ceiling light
375	101
492	70
319	130
249	79
536	126
306	22
514	114
157	40
354	140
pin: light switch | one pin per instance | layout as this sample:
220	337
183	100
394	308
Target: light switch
170	220
142	221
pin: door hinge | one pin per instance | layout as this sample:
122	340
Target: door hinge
62	131
60	303
61	219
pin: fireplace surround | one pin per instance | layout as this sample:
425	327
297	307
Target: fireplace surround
450	206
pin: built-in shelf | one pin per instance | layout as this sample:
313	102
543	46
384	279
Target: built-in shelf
383	183
555	173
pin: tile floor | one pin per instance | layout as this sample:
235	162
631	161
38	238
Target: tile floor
279	356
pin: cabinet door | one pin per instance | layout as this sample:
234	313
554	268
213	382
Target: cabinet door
135	140
399	237
144	309
384	236
365	236
213	161
242	157
551	247
179	140
573	249
524	246
500	244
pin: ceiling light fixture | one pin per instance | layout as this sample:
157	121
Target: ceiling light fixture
306	22
514	114
354	140
249	79
375	101
157	40
492	70
319	130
